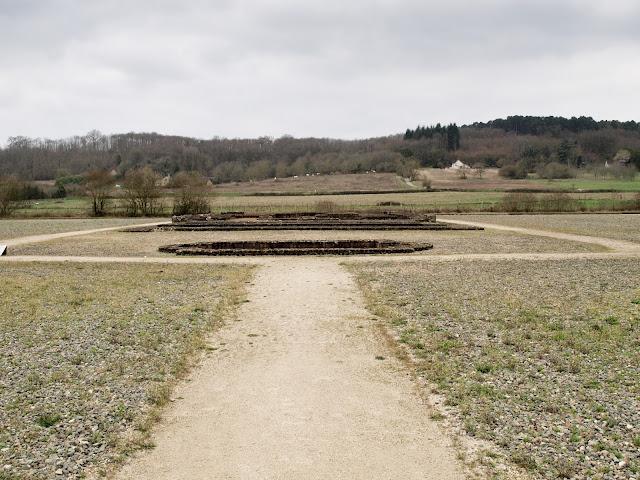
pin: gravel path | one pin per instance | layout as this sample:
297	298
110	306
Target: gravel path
53	236
302	387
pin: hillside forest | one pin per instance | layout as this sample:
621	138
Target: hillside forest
551	146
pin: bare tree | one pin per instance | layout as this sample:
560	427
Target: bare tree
191	195
479	167
142	192
11	194
99	184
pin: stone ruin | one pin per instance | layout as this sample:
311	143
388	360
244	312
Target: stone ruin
305	221
230	221
298	247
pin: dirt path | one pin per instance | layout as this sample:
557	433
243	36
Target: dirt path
296	391
53	236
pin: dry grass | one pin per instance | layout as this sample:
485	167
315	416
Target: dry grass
490	180
541	358
318	183
89	352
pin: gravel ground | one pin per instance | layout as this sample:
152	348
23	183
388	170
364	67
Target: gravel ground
618	226
12	228
445	242
553	378
88	352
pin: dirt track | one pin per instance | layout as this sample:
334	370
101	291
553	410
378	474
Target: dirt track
295	390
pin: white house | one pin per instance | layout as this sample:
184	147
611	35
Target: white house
458	165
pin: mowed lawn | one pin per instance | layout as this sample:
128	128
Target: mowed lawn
89	352
542	358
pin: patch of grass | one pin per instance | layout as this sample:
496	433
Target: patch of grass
485	368
524	460
47	420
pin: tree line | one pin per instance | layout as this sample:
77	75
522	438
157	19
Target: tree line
529	125
524	143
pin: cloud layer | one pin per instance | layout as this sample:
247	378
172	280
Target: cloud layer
354	69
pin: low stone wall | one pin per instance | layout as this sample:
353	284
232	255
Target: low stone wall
302	247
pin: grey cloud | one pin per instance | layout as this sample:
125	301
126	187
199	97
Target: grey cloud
249	58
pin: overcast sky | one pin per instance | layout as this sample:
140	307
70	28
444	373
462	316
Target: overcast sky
331	68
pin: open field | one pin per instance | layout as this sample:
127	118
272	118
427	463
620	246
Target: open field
451	194
490	180
587	182
88	352
374	182
431	201
447	179
127	244
553	378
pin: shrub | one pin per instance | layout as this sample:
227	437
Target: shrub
513	171
142	192
557	202
519	202
98	183
11	194
555	170
192	194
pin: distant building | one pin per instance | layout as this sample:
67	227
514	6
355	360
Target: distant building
458	165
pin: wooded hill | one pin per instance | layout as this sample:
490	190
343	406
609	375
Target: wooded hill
522	142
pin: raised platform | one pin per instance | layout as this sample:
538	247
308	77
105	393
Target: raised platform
305	221
302	247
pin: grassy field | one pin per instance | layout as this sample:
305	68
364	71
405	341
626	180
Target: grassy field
88	354
432	201
451	194
377	182
490	180
590	183
552	378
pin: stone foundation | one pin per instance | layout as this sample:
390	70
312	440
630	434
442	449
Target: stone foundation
302	247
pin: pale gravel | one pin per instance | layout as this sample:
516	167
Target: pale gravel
14	228
618	226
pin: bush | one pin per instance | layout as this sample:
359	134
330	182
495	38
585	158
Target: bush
555	170
11	194
192	194
519	202
557	202
513	171
69	180
142	192
98	183
621	172
426	181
